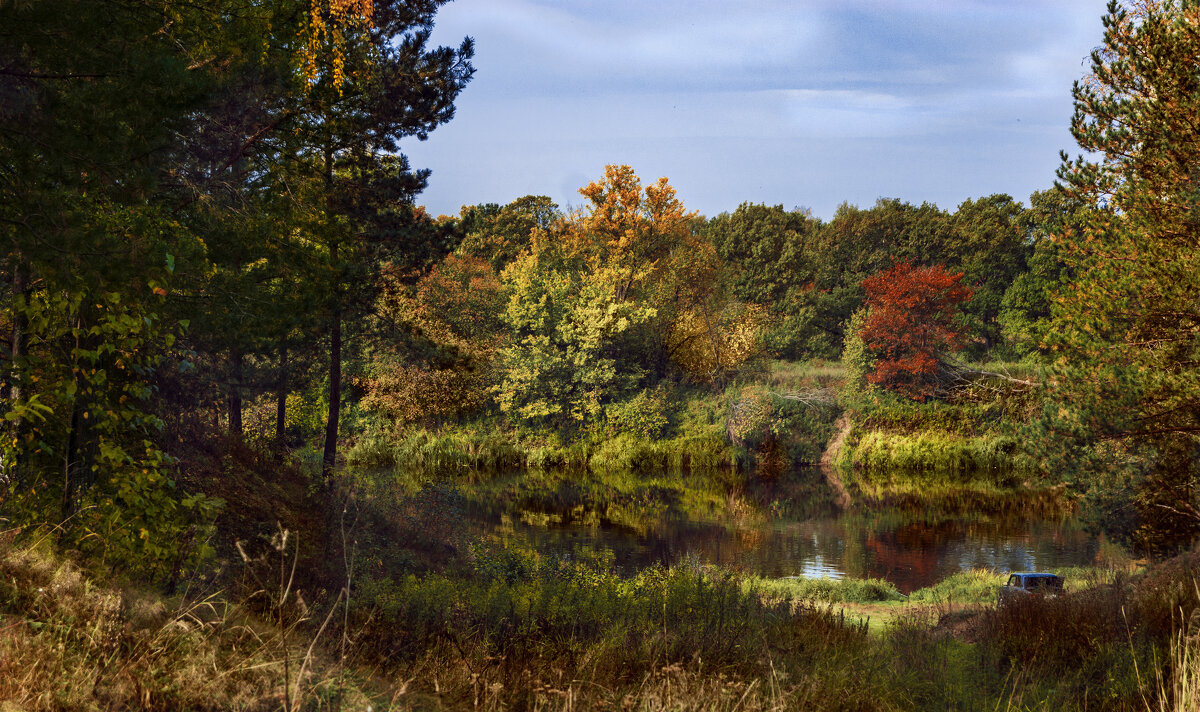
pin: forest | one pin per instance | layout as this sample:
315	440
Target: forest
272	432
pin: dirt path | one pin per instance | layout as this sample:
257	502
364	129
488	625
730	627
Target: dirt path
963	621
842	429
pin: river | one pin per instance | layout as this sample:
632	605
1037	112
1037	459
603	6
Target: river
911	544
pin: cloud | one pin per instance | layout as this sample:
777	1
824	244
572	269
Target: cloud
795	102
582	48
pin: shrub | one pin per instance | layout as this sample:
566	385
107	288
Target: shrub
645	414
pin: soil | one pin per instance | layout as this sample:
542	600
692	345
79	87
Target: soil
842	429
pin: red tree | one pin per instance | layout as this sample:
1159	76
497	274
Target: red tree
909	324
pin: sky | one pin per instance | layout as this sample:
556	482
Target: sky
805	104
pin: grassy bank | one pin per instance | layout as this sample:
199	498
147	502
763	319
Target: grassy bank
964	439
752	425
505	628
932	457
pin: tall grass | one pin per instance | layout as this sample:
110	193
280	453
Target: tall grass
68	643
472	455
975	586
1179	690
504	627
879	456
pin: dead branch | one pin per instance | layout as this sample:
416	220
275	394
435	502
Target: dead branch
819	398
954	374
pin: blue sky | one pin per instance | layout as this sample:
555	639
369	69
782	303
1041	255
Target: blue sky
806	103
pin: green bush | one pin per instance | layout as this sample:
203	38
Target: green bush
644	415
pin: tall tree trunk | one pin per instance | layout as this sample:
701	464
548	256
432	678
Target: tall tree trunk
71	462
281	393
235	392
19	330
329	456
335	394
17	346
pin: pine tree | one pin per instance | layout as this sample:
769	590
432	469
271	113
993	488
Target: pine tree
1124	397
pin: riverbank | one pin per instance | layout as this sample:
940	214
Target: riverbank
784	416
963	440
756	426
509	629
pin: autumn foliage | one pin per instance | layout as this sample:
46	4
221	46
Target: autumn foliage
454	310
910	323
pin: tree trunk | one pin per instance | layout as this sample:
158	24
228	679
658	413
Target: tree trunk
329	456
70	462
335	395
19	331
17	345
281	397
71	448
235	392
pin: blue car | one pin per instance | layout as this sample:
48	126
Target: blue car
1024	584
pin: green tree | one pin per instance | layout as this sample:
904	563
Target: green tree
1124	397
1024	316
618	295
568	327
858	243
498	234
381	86
990	247
91	153
585	299
769	255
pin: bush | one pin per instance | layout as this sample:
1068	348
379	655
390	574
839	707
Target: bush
645	414
765	423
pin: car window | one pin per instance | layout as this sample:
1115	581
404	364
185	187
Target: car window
1014	581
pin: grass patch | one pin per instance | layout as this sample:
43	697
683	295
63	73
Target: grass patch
827	590
976	586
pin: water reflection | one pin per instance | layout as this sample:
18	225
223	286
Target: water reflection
911	547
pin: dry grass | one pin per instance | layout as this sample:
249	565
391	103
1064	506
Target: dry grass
67	643
1179	684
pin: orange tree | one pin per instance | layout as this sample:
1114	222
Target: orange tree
910	324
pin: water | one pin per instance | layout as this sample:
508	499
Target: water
910	544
